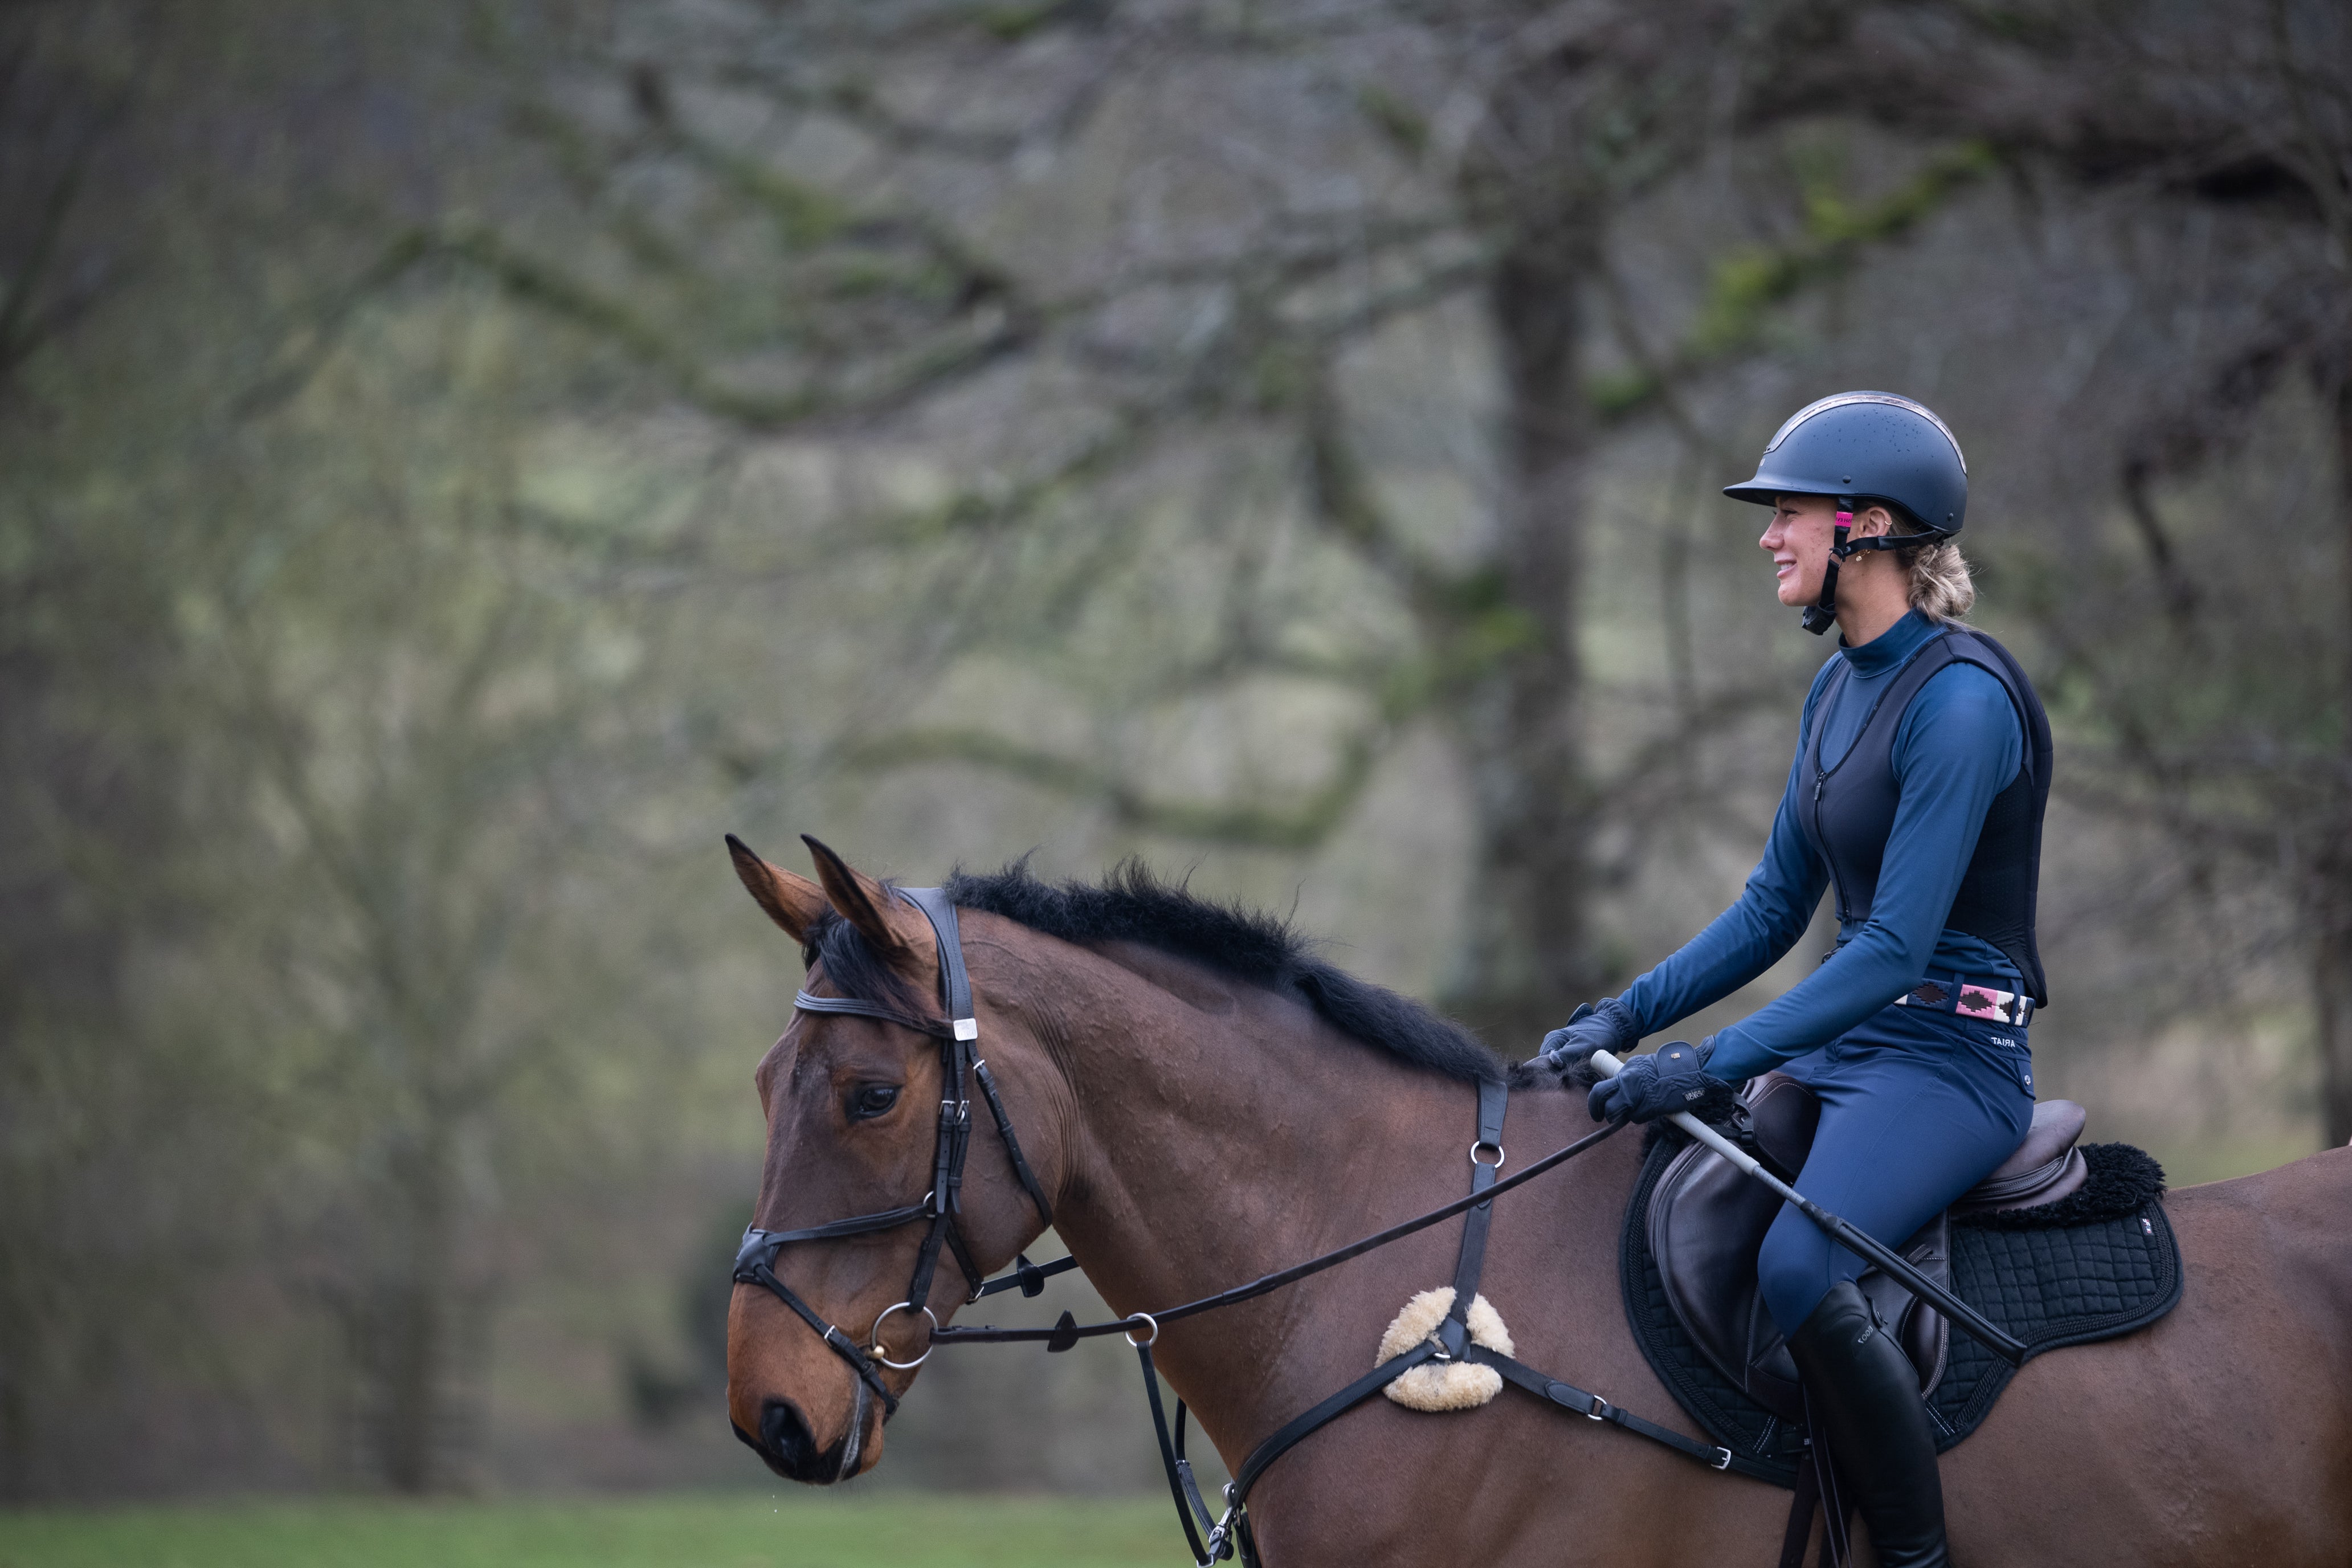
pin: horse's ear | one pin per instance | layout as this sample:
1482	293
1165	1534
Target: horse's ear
792	902
866	904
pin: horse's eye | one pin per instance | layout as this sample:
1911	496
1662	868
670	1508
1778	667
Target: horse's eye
872	1100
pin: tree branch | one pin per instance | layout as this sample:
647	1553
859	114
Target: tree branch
1302	826
1748	284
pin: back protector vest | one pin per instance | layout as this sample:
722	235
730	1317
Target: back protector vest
1848	810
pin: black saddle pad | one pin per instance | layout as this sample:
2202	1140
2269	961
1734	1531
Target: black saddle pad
2094	1265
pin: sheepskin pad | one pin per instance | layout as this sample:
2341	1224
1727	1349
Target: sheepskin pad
1450	1385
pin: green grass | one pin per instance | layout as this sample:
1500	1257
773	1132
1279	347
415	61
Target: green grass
725	1530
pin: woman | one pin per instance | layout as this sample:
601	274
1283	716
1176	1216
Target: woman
1917	795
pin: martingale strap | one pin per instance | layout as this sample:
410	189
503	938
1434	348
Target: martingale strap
1493	1100
1567	1396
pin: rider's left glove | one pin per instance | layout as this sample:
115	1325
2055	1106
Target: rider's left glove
1605	1026
1672	1078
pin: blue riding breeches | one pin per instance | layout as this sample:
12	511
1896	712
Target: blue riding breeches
1917	1107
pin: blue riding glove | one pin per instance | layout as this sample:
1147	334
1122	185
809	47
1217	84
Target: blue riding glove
1606	1026
1672	1078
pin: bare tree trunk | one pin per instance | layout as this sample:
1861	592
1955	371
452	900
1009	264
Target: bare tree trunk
2330	897
2331	976
1530	955
416	1337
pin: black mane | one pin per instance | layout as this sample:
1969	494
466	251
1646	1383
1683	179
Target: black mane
1132	905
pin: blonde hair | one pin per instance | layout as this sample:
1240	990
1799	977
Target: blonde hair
1939	586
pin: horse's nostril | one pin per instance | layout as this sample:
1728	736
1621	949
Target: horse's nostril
786	1444
787	1439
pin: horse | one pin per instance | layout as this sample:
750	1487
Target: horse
1203	1102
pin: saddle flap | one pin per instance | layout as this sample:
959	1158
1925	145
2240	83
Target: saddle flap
1707	1221
1785	1115
1706	1224
1767	1374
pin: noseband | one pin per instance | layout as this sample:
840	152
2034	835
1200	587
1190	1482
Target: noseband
958	1034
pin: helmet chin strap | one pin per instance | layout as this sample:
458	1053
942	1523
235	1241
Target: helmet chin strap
1821	617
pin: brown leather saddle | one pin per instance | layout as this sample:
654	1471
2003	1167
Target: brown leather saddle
1707	1221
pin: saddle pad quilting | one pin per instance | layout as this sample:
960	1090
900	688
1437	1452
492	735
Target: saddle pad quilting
2065	1285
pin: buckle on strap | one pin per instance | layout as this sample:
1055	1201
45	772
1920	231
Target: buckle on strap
1722	1460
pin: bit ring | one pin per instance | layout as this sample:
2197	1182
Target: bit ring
873	1347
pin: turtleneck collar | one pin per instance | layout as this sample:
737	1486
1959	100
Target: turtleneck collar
1889	648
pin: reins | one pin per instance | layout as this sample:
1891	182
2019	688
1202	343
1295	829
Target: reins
1066	1334
958	1034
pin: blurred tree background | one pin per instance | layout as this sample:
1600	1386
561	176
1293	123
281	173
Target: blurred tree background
457	460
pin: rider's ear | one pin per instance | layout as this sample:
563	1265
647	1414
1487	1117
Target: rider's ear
866	904
792	902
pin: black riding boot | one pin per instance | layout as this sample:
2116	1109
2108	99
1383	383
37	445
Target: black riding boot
1862	1389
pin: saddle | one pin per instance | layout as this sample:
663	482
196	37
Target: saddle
1707	1223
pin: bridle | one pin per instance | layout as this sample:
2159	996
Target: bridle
958	1035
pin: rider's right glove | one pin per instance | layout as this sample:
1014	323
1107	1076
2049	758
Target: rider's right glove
1672	1078
1607	1026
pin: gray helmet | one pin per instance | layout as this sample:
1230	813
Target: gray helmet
1870	445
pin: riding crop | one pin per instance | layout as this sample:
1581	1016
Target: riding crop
1844	1233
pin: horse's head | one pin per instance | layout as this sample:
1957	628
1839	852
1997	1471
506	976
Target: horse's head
854	1109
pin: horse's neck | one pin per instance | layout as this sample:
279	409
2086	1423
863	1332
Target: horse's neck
1221	1132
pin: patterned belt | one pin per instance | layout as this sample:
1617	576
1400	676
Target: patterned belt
1969	999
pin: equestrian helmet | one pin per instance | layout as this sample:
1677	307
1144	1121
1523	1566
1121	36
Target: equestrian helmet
1870	445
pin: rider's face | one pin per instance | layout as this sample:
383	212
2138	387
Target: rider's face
1797	539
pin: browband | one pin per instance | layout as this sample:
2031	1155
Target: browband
939	909
808	1001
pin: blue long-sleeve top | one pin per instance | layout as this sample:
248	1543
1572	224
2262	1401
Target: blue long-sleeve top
1958	745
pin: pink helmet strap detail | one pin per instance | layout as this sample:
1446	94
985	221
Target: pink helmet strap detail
1821	617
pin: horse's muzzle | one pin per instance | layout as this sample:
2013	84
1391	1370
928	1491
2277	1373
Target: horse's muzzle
789	1447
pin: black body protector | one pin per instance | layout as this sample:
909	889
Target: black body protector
1849	812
